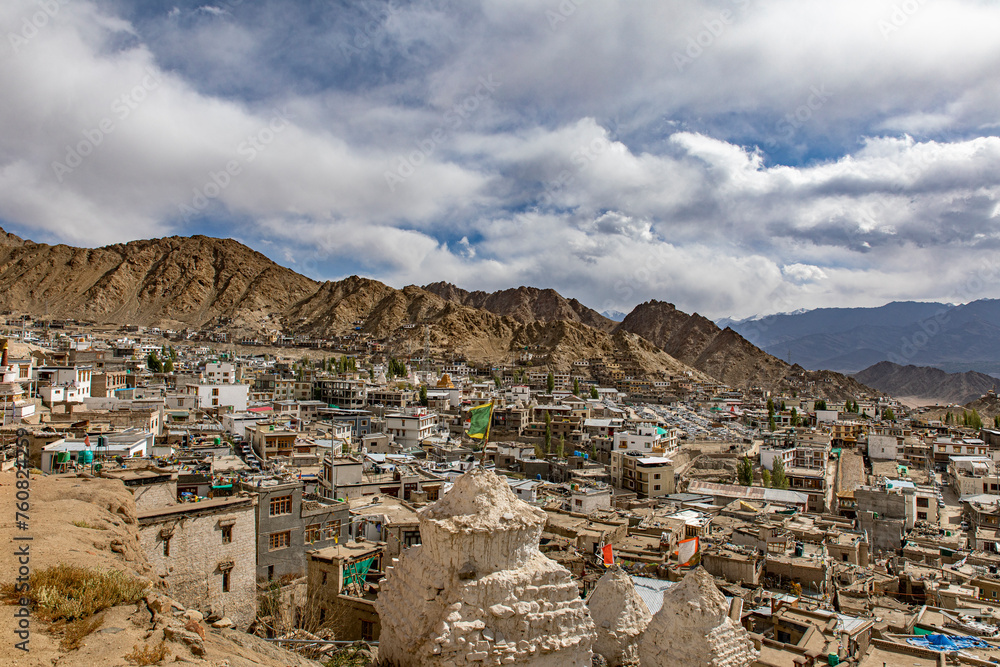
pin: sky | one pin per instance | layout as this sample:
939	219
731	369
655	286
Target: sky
733	157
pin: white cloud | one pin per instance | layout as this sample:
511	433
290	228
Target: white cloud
591	162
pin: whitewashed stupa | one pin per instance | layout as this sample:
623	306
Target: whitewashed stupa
620	615
477	591
693	628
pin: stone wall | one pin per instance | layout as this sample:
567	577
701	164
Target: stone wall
193	570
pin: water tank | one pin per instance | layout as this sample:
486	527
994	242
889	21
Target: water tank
62	457
86	457
799	549
218	440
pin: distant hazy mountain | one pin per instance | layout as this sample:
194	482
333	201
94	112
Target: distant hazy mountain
954	338
614	315
926	384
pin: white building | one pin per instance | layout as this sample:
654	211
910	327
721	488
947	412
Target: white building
124	445
646	438
71	383
221	372
221	395
883	447
409	429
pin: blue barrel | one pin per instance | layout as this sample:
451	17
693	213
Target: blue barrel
86	457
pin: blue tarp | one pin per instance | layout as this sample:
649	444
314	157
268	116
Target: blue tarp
947	642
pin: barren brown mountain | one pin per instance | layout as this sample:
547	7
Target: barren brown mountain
171	281
525	304
727	356
201	281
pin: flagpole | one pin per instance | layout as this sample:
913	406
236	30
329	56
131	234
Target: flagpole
486	438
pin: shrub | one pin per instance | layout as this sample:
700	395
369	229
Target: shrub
148	655
68	592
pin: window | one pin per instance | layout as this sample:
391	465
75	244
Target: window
270	572
922	502
656	476
225	581
324	579
281	505
215	392
314	533
280	540
227	534
922	516
844	556
367	631
656	487
332	529
166	546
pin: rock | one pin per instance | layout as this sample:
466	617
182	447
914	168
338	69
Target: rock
194	615
223	622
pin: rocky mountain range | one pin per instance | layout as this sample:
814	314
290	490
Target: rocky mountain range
950	337
200	281
924	385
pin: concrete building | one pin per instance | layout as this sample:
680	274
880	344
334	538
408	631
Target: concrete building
647	476
289	523
233	396
410	428
204	552
220	373
341	596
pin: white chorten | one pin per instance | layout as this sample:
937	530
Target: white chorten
693	628
620	616
477	591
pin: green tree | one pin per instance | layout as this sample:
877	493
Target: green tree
820	405
594	394
576	387
947	418
744	472
782	406
765	478
975	421
550	382
593	452
889	415
795	417
996	421
423	395
770	406
778	479
496	381
153	363
168	366
561	452
771	425
548	432
173	354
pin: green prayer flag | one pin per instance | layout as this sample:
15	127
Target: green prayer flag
479	421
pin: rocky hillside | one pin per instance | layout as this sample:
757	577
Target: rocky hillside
171	281
926	385
525	304
727	356
371	307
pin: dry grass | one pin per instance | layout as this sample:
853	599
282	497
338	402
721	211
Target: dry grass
84	524
69	593
148	654
74	632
